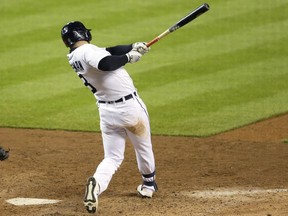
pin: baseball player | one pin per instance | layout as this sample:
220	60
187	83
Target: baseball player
121	110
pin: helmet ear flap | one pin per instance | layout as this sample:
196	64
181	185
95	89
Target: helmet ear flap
88	35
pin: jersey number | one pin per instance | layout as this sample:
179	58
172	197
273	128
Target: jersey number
77	66
86	83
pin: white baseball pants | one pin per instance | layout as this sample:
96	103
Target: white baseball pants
117	121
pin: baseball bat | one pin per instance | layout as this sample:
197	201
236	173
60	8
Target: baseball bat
188	18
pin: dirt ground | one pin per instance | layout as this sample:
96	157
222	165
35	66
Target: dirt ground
240	172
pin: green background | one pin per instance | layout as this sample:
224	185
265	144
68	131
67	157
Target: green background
226	69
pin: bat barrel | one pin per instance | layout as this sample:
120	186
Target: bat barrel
191	16
206	6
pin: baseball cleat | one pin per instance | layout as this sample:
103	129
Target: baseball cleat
91	196
144	192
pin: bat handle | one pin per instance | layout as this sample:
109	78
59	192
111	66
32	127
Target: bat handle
152	42
158	38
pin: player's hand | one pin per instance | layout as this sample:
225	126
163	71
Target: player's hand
141	47
133	56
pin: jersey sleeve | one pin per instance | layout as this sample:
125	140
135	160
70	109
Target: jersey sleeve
120	49
93	55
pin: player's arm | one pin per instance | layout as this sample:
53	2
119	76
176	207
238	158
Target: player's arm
117	58
112	62
141	47
120	49
121	55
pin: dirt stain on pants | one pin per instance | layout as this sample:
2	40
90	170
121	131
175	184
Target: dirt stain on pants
138	129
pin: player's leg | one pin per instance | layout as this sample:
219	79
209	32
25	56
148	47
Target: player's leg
144	152
140	136
114	148
146	164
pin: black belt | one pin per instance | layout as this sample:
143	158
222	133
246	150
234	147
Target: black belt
127	97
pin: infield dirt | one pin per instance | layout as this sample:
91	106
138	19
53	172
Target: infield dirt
240	172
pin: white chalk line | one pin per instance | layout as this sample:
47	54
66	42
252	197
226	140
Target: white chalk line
19	201
218	193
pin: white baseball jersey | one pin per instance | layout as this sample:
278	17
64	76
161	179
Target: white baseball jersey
105	85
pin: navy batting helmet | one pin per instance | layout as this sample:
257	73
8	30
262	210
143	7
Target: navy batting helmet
75	31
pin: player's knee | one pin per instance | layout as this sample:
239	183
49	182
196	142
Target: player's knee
115	161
